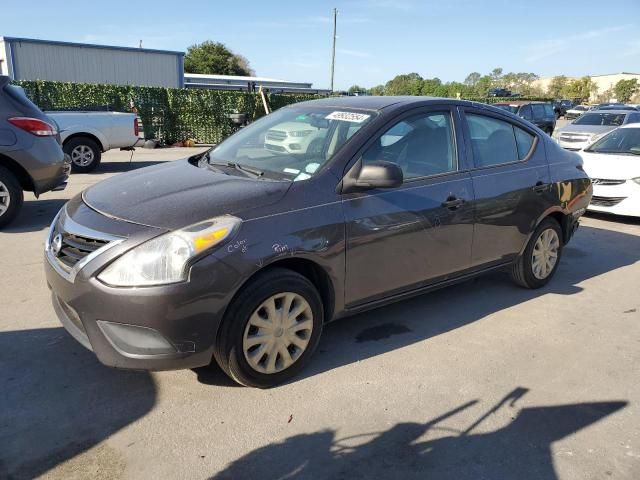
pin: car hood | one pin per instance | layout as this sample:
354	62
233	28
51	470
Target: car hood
590	129
611	166
175	194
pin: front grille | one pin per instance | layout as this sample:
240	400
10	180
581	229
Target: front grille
275	148
276	135
606	201
567	137
74	247
606	181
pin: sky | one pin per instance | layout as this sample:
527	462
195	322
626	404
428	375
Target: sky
377	39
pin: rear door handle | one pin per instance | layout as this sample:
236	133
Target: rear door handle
541	187
453	203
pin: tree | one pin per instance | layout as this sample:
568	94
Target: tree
581	88
408	84
216	59
625	89
472	79
557	85
377	90
496	77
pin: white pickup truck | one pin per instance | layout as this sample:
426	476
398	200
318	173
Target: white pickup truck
85	135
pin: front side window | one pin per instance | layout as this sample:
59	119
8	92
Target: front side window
538	111
496	142
421	145
291	143
525	112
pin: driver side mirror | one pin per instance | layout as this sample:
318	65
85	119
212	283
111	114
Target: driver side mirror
378	174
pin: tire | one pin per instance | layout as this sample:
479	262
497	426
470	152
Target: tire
238	338
523	270
11	197
85	154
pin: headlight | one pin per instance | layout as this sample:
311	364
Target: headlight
300	133
596	136
164	259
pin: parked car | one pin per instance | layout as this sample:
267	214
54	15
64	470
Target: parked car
603	105
613	163
628	108
539	113
242	254
575	111
86	135
592	125
499	92
560	107
298	136
30	155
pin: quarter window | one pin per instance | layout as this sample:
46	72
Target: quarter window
496	142
421	145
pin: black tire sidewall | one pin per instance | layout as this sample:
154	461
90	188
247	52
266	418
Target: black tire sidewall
238	316
70	145
530	278
15	194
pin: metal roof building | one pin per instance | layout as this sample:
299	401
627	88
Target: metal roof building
32	59
232	82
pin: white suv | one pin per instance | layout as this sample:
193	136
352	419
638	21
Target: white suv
294	138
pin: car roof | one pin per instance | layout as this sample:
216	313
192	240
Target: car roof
608	112
519	103
381	102
631	125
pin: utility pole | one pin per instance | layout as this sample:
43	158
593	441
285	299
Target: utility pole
333	54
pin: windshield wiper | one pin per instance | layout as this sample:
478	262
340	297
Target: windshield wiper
243	168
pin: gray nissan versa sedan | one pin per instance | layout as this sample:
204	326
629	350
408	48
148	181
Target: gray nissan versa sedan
317	211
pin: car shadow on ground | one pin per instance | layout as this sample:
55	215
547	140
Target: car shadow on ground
118	167
35	215
407	322
429	450
57	402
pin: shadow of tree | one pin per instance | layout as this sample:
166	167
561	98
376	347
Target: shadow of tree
520	450
59	401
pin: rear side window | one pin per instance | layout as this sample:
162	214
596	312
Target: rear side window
496	142
548	110
525	112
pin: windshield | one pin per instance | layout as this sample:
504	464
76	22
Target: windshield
621	141
608	119
291	143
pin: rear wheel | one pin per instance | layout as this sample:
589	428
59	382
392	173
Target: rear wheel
539	262
85	154
270	330
11	197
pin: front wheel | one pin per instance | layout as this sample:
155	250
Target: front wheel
270	330
11	197
539	262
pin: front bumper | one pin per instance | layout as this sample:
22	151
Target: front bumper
152	328
621	199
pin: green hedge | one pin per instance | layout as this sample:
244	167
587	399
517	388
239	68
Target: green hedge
508	99
169	114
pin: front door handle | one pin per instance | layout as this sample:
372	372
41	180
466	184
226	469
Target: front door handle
541	187
453	202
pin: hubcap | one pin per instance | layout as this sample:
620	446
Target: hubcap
82	156
5	198
278	333
545	254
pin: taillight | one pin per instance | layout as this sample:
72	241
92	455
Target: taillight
136	127
34	126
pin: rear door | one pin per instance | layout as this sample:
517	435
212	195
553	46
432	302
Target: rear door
511	182
421	232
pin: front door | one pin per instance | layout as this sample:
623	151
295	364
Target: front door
421	232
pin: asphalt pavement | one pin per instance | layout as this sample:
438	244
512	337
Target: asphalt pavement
483	380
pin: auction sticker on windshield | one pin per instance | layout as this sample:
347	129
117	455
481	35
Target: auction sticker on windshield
348	117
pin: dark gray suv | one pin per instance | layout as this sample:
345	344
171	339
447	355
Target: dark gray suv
31	158
315	212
